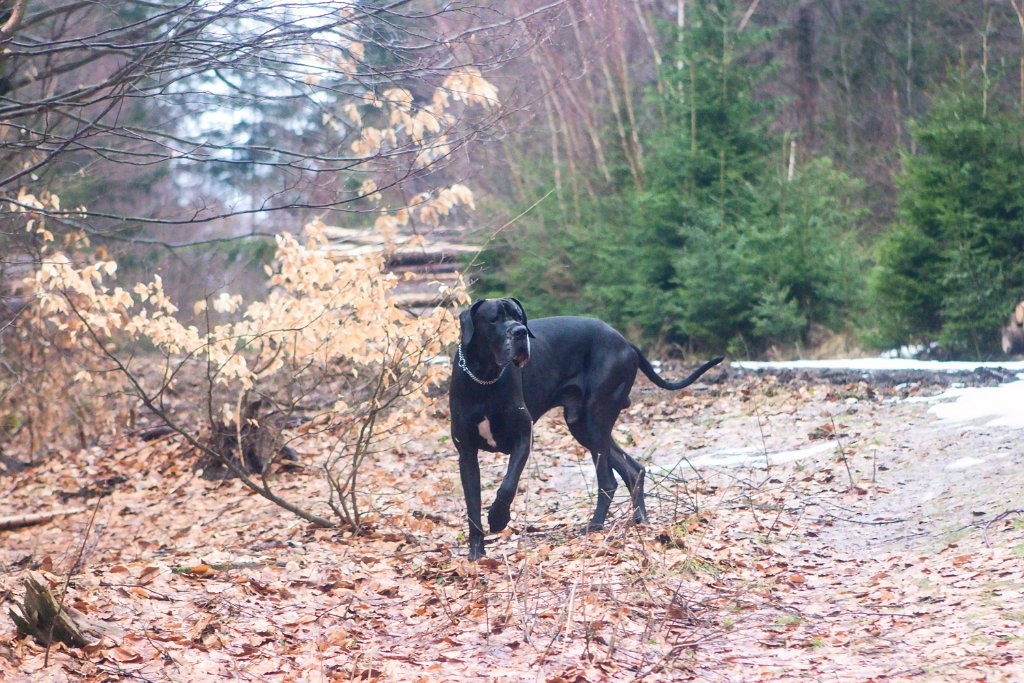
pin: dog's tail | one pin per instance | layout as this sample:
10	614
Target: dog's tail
648	370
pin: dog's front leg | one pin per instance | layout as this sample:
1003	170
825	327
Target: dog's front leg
499	514
469	472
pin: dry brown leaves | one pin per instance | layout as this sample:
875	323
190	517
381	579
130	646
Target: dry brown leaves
746	573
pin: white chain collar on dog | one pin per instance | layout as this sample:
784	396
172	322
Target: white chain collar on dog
465	369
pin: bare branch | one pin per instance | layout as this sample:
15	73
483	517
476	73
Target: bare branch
13	21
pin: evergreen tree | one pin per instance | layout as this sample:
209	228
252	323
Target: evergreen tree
715	246
952	269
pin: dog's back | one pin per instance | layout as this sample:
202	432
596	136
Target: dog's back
570	353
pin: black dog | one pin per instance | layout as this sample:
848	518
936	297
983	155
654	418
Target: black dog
581	364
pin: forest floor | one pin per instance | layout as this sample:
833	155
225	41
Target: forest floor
801	530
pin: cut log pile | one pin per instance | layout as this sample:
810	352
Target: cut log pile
422	262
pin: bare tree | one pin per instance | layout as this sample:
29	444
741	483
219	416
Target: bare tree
232	109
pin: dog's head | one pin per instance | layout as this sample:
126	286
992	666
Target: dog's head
497	327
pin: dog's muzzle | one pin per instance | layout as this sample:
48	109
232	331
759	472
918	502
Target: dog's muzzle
520	344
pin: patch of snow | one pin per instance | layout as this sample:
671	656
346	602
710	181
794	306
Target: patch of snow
867	364
948	394
745	457
1001	406
966	462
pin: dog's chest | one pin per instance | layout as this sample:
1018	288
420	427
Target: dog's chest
496	432
492	433
484	430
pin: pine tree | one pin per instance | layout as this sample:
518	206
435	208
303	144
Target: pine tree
717	246
952	269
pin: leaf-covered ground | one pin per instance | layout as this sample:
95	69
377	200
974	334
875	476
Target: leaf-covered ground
799	532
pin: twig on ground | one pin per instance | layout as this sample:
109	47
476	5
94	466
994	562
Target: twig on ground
514	596
842	451
764	443
17	521
1000	516
857	521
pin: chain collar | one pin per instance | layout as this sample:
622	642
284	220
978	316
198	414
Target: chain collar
465	369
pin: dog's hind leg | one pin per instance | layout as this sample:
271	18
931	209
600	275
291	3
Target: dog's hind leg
592	426
581	428
632	474
599	443
600	417
605	487
629	470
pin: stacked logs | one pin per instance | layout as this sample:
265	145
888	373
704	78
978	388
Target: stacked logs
422	262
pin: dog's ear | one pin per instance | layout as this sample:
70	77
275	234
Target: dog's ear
466	320
522	312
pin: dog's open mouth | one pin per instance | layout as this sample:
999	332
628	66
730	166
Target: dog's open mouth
520	361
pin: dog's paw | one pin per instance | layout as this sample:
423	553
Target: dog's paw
498	517
476	552
592	527
640	516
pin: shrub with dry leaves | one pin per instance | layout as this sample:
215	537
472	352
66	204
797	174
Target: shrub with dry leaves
327	353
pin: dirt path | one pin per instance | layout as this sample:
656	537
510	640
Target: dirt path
775	553
909	564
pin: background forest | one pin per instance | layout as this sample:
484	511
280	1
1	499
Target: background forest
713	175
743	175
